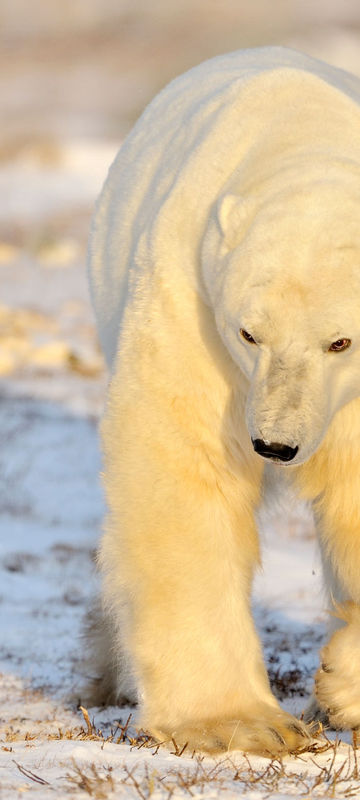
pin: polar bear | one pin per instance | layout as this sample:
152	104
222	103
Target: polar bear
225	276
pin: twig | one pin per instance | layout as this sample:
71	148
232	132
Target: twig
135	783
85	714
178	751
123	729
355	744
31	775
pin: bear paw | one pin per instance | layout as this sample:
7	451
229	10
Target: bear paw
337	681
314	714
273	733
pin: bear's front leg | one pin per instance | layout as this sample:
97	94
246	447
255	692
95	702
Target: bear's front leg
178	558
337	681
336	699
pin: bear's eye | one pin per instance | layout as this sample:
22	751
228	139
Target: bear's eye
339	345
247	336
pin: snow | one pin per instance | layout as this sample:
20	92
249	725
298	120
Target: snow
29	188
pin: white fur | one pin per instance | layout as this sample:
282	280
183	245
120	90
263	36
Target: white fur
233	204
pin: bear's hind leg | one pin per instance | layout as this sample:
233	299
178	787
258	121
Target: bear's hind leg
109	677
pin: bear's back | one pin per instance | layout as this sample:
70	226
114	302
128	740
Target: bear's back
186	135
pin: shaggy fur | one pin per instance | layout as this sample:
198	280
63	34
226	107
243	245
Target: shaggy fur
233	205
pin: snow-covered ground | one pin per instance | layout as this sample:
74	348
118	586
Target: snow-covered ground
52	386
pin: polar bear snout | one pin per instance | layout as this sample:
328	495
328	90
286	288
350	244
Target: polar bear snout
274	450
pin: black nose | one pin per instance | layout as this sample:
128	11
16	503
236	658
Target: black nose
282	452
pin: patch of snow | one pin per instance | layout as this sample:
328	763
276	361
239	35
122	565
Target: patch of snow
30	189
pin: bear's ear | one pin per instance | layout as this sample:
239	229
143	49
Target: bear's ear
233	213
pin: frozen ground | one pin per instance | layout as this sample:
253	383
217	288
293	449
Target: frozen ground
51	394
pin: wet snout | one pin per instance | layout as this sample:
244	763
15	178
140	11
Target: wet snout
285	404
274	450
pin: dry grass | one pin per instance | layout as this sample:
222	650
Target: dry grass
306	776
96	784
120	734
225	775
326	770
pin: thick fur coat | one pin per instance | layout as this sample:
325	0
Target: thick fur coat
225	275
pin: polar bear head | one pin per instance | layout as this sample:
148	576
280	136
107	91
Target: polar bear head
283	276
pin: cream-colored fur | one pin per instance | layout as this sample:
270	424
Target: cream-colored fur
234	204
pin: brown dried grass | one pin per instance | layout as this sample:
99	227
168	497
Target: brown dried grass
277	776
